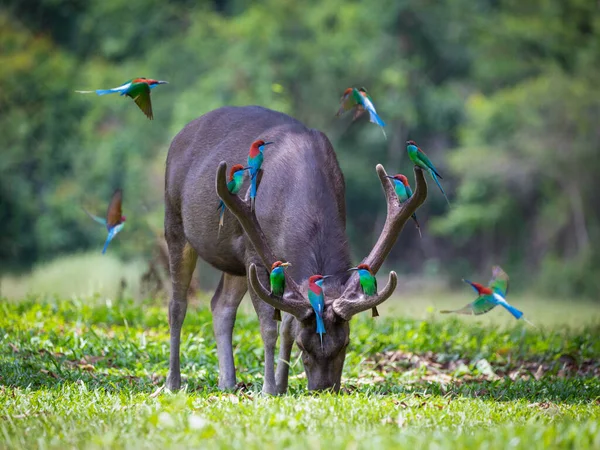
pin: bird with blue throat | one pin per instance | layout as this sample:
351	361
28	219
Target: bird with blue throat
404	192
420	159
360	101
368	283
236	179
317	301
488	297
114	221
138	89
255	160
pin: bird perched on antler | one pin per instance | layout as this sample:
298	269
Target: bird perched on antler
115	220
317	301
360	101
404	192
236	179
368	283
490	296
137	88
420	159
255	160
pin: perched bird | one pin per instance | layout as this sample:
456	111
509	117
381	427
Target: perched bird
404	192
420	159
277	277
368	283
489	297
236	179
138	89
317	301
115	220
361	101
255	160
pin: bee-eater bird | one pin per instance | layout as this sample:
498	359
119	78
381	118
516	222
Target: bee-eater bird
420	159
236	179
138	89
277	277
368	283
362	101
404	192
115	220
490	296
317	301
255	160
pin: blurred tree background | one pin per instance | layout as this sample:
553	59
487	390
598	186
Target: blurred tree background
502	94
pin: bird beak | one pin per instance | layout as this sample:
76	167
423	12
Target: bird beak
162	82
353	268
391	178
268	143
286	264
327	276
246	168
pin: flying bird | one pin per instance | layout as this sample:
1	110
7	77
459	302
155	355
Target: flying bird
404	192
138	89
361	101
317	301
236	179
420	159
255	160
115	220
490	296
368	283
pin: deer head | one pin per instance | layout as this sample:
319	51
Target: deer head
323	365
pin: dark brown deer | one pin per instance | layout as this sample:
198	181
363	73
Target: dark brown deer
300	217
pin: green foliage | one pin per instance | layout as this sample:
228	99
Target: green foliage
80	374
502	96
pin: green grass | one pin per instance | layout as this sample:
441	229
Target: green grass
82	373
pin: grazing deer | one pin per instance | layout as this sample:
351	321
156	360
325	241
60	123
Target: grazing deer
300	216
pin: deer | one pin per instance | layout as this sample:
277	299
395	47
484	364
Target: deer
299	216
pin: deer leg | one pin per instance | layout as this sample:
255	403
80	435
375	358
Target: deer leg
268	331
224	305
182	262
285	351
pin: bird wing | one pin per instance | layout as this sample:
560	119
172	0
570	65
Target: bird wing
427	162
140	93
499	281
114	212
480	305
100	220
409	192
347	102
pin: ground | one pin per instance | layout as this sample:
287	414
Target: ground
87	373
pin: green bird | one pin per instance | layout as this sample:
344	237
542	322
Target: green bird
277	277
420	159
368	283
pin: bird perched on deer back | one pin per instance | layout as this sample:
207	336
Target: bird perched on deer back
368	283
420	159
404	192
255	160
361	101
317	301
138	89
115	220
236	179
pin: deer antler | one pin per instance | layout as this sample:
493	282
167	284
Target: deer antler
352	300
293	301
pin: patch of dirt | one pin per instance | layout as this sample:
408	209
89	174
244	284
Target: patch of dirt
443	368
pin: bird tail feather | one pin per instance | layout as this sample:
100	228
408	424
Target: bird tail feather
108	239
435	178
514	311
252	192
414	217
105	91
